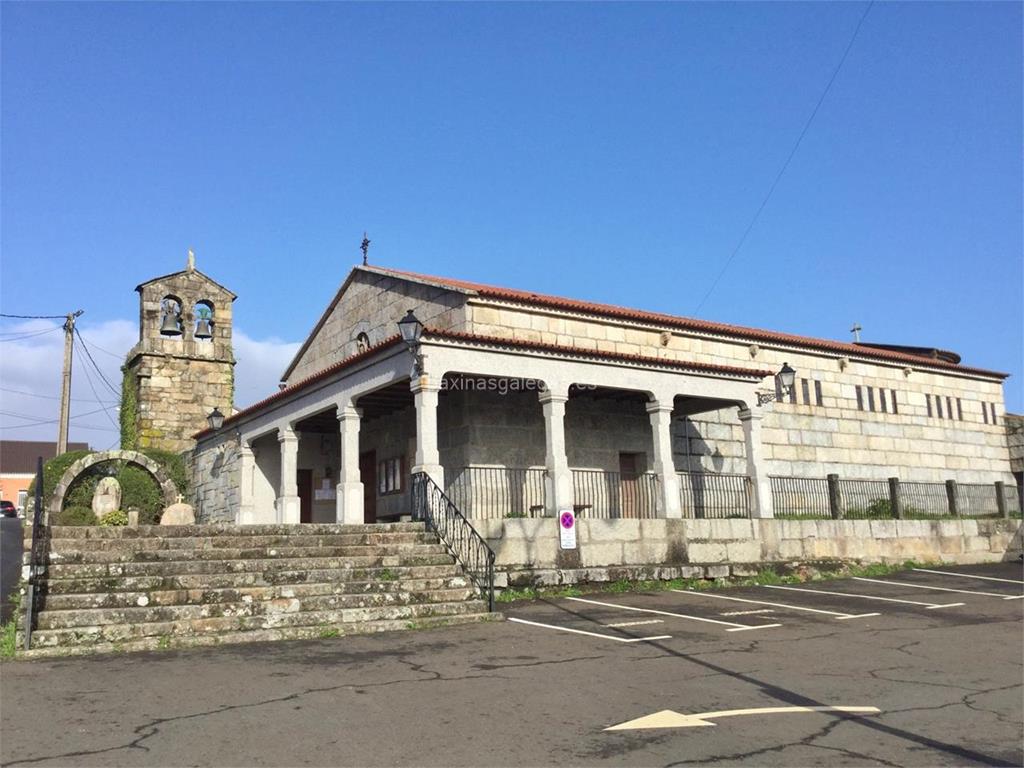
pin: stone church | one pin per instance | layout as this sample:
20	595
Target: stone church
520	404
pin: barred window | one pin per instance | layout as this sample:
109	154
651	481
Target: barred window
390	474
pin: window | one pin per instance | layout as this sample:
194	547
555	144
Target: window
362	342
959	409
949	407
860	399
938	406
792	393
895	408
928	402
805	387
881	400
993	412
871	399
778	389
817	392
984	412
390	475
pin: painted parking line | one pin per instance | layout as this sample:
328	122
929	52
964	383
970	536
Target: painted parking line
734	627
839	616
590	634
940	589
928	606
969	576
636	623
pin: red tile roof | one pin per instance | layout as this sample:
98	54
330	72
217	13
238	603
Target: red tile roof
686	323
472	338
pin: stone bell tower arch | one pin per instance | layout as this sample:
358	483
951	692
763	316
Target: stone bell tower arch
183	364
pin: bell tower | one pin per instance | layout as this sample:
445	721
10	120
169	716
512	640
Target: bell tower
183	365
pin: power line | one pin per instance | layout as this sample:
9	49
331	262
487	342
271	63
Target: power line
53	397
29	335
4	427
103	378
88	378
34	317
37	420
105	351
785	165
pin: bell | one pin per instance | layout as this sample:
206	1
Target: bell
169	326
203	330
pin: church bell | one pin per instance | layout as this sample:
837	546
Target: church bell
203	330
169	325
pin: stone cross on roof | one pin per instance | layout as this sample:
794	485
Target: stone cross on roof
191	260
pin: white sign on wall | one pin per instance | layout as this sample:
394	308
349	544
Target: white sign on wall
567	529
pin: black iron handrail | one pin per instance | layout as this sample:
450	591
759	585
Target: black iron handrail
36	555
432	506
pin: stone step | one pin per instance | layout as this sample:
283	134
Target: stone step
206	595
175	567
221	529
242	542
175	581
262	553
256	635
93	617
115	633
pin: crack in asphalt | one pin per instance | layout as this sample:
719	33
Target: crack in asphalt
152	728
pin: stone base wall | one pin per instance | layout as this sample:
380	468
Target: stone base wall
528	549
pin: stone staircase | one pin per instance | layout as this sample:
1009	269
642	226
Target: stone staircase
156	587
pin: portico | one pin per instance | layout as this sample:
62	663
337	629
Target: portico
507	429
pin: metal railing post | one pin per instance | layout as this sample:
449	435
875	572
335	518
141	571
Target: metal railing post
834	506
1004	511
34	555
895	504
954	508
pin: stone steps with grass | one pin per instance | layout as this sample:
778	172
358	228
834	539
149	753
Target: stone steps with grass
118	589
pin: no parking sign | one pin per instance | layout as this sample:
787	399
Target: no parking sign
567	529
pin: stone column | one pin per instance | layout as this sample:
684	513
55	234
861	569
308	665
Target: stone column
349	500
661	428
287	504
558	478
761	491
246	502
428	457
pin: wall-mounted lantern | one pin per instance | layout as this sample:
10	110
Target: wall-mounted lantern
786	378
215	419
411	329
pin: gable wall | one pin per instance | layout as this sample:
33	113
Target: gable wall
373	304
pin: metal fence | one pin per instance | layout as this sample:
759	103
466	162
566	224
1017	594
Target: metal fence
1013	501
924	500
497	492
600	494
864	499
800	497
714	495
977	500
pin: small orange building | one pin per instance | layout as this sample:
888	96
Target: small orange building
18	466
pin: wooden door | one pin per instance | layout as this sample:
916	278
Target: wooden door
305	482
368	476
628	485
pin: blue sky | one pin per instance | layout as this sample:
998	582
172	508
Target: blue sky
613	152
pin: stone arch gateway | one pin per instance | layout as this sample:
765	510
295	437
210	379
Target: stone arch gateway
167	486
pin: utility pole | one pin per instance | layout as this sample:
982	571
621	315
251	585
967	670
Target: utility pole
65	387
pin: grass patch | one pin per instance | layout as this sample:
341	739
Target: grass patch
387	575
766	576
328	632
9	639
164	642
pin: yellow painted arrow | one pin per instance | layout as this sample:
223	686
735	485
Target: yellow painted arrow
668	718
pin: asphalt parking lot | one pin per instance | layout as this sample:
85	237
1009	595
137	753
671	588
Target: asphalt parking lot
920	668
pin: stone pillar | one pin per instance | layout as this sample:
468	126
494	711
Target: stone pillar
246	502
428	457
661	428
349	500
558	478
761	490
287	504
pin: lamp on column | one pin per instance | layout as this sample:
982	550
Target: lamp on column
786	378
411	329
